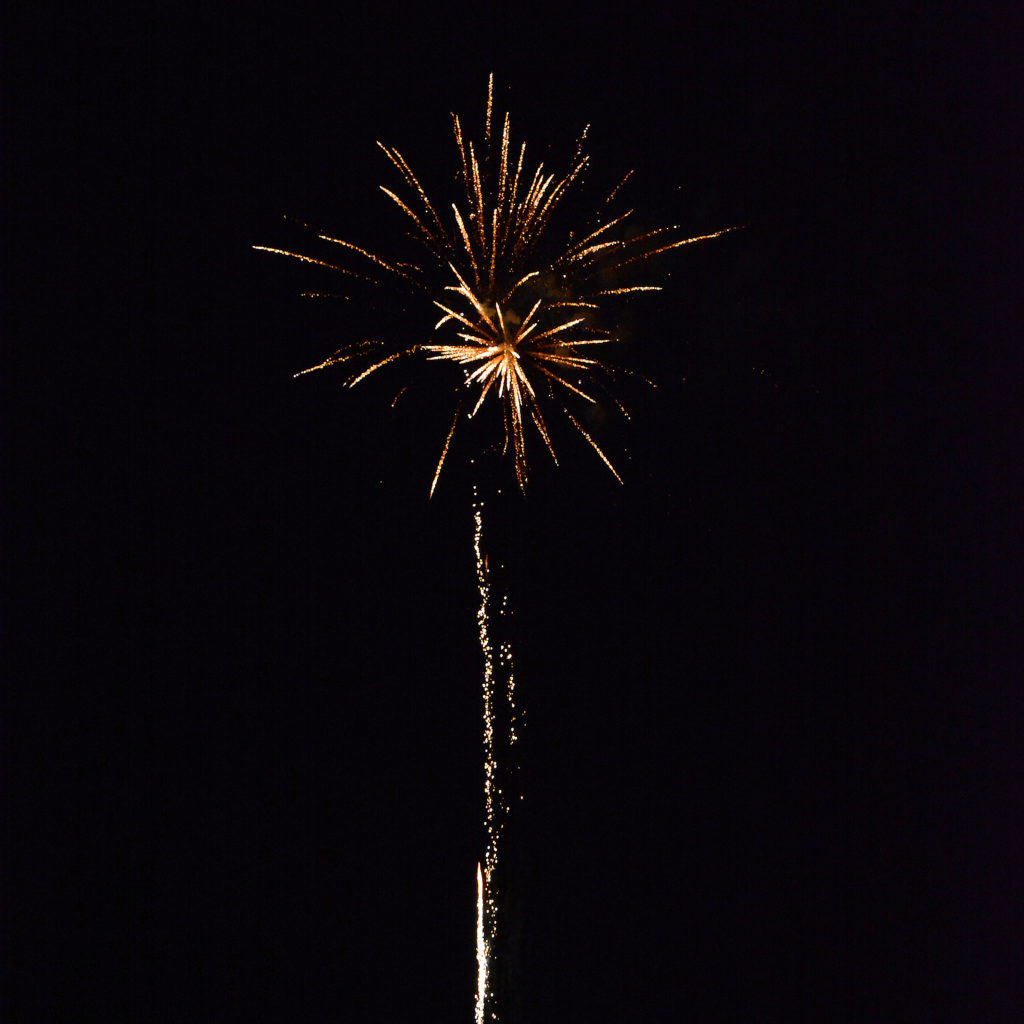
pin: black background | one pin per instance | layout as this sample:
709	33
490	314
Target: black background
769	758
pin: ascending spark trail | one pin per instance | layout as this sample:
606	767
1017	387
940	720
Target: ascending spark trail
495	803
481	948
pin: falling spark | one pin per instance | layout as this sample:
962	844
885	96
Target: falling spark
519	315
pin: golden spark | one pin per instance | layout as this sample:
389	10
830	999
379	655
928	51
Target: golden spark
521	323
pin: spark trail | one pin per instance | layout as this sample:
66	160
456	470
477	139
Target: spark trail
500	721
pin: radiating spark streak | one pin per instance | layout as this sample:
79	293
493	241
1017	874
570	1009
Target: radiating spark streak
383	362
373	259
557	194
341	356
490	101
494	239
501	323
495	248
591	250
532	274
528	319
593	444
521	374
529	202
466	242
460	144
444	450
525	330
577	361
631	288
469	294
542	428
558	330
515	181
478	196
452	315
614	398
475	338
579	143
332	361
457	353
574	250
637	239
424	230
676	245
406	171
487	369
566	384
503	169
308	259
615	191
483	394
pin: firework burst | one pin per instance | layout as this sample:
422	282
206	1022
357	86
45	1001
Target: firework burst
519	316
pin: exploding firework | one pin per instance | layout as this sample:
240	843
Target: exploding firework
522	314
525	309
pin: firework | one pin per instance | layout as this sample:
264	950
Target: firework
522	304
524	312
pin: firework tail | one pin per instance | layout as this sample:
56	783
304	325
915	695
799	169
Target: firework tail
502	724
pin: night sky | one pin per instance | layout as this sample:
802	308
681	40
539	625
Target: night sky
764	764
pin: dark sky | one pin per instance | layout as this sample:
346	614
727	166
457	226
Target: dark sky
764	763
